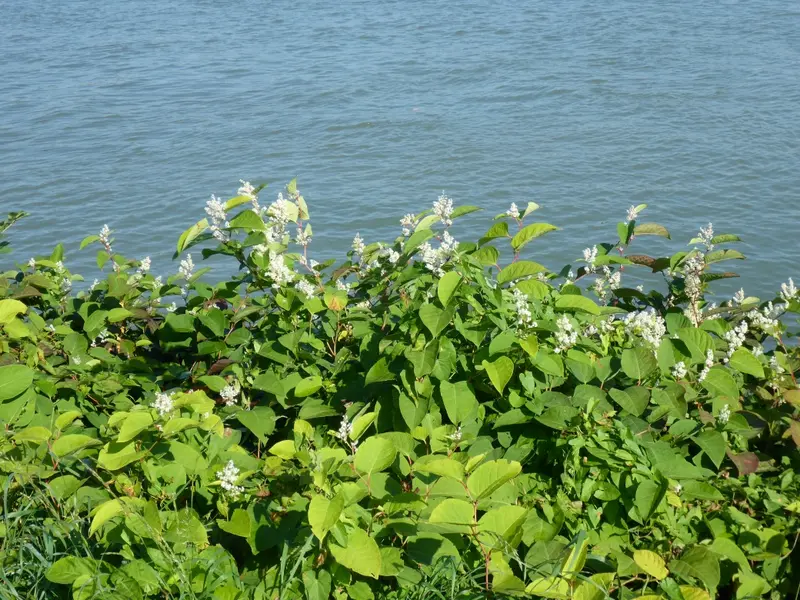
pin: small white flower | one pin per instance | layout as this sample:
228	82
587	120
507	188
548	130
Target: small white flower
706	235
94	285
59	267
246	189
358	244
32	263
443	208
392	256
105	236
513	211
187	267
456	437
305	288
677	489
345	428
163	403
709	363
633	212
775	365
228	478
303	238
51	328
435	258
229	393
342	286
566	336
590	256
735	338
738	297
278	271
679	370
788	291
76	360
524	315
409	223
724	414
172	307
144	265
66	285
648	325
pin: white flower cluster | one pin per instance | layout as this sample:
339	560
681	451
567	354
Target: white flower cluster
278	271
66	285
32	263
163	404
457	435
693	268
523	310
679	370
144	265
187	267
303	238
706	236
590	256
766	320
724	414
775	365
305	288
246	189
435	258
788	291
101	338
409	222
345	428
228	478
735	338
647	324
606	283
279	216
633	212
229	393
358	245
513	211
707	367
215	209
172	307
565	335
443	208
738	297
105	237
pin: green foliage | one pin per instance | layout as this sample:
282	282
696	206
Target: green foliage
419	420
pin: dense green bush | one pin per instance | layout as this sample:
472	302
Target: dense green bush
426	419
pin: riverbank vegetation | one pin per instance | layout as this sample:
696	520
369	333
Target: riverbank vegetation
425	418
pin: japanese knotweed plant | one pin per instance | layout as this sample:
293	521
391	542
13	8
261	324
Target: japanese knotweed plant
425	418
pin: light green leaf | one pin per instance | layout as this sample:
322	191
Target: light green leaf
67	444
500	372
249	220
530	232
638	363
651	563
453	511
36	434
9	309
361	554
134	424
447	286
115	315
633	402
743	361
361	423
284	449
306	387
379	372
434	318
69	568
444	467
324	513
489	476
374	455
459	401
518	270
713	444
188	236
14	379
103	513
549	587
651	229
576	302
719	382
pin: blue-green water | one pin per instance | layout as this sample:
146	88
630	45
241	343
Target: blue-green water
133	113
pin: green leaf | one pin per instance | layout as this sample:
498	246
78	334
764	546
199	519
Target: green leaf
103	513
549	587
444	467
503	524
379	372
713	444
575	302
497	230
638	363
460	211
284	449
459	401
728	548
698	490
115	315
647	498
9	309
743	361
36	434
500	372
361	554
67	444
719	382
489	476
631	400
530	232
447	286
697	341
14	379
374	455
698	562
323	514
133	425
249	220
720	255
487	256
306	387
188	236
651	563
651	229
260	421
453	511
518	270
240	524
69	568
434	318
317	585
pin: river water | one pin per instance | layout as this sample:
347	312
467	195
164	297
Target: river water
133	112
